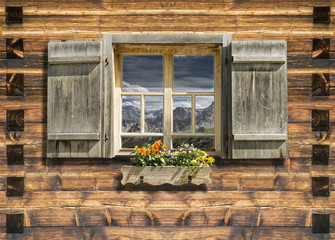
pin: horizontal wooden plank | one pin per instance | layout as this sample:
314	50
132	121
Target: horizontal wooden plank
300	165
110	180
30	79
74	60
259	137
33	134
211	233
162	199
259	59
71	33
73	136
225	7
301	133
146	217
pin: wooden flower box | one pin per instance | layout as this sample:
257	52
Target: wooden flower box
174	175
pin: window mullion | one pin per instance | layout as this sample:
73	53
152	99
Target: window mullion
168	84
142	114
193	113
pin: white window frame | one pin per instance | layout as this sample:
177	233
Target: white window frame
167	50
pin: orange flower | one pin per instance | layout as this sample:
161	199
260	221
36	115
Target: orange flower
159	142
154	148
156	152
164	147
147	151
142	150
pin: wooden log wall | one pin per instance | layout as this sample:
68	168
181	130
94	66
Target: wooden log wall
83	199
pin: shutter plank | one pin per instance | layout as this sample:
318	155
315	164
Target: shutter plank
74	100
259	59
259	99
74	60
260	137
74	136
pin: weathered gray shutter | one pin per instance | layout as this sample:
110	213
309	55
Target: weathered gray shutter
75	99
259	99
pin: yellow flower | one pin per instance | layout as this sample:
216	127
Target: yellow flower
135	148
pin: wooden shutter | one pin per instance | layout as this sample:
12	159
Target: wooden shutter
259	99
75	99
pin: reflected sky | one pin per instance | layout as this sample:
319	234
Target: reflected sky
142	73
193	73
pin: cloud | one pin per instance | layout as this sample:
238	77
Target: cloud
131	101
127	87
202	102
182	102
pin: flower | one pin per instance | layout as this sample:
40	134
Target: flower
157	155
142	150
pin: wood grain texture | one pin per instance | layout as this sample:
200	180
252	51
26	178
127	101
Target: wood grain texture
248	199
168	174
74	103
259	99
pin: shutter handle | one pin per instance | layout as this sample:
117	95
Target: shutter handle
107	61
106	137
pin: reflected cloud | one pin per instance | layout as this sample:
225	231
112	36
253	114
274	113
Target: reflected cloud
203	102
182	101
127	87
133	101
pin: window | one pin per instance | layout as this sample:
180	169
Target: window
226	96
170	93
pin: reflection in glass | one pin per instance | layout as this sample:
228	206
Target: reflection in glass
204	114
193	73
154	114
131	142
182	114
142	73
203	143
131	113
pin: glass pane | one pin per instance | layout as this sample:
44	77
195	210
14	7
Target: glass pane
131	113
154	114
193	73
204	114
203	143
131	142
142	73
182	114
